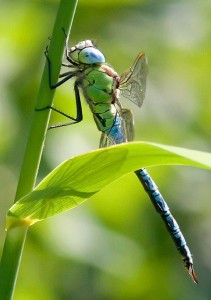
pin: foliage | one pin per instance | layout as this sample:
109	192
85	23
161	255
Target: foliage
79	178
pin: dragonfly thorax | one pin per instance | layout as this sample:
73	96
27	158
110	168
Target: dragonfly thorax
86	53
99	84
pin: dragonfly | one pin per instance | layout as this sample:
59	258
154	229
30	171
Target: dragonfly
104	90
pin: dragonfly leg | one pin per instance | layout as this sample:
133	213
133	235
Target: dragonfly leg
66	76
171	224
67	65
67	52
79	114
60	112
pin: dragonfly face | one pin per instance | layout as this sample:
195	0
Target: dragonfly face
86	53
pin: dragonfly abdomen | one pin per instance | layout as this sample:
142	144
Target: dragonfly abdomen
104	115
171	224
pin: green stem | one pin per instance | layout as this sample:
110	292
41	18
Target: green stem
15	238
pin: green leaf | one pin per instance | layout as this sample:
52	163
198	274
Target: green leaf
80	177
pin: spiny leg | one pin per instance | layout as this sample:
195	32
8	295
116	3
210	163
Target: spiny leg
66	76
67	52
79	113
171	224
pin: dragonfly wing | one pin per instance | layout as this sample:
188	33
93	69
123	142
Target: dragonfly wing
127	118
133	81
122	130
105	141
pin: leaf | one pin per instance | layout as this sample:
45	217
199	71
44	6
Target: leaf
80	177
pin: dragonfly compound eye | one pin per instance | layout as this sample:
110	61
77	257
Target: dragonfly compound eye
90	56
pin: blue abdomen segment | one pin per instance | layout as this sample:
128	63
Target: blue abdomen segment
171	224
117	133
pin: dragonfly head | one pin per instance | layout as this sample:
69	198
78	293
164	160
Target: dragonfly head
86	53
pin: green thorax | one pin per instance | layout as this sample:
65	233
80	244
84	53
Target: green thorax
99	84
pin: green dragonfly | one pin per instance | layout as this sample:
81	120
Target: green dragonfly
104	90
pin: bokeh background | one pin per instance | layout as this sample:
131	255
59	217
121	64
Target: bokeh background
114	246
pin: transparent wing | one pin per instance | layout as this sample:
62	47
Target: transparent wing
105	141
127	129
127	118
133	81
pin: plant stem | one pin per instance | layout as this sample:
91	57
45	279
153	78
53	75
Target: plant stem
15	238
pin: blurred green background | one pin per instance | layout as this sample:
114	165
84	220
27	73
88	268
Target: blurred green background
115	245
